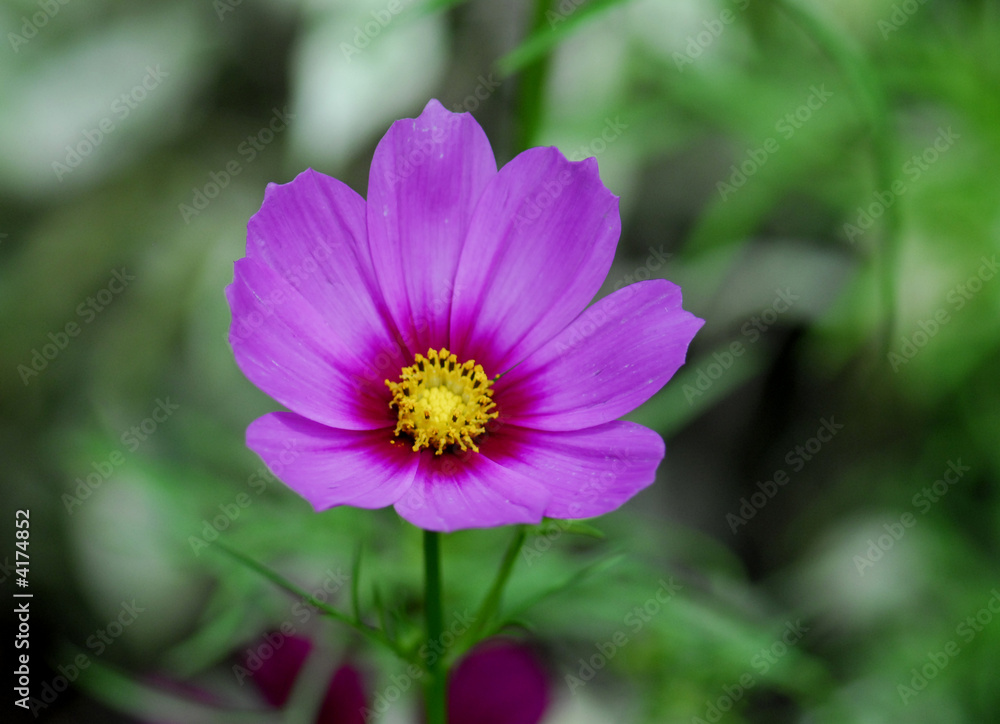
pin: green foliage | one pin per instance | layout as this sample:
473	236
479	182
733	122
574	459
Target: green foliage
844	153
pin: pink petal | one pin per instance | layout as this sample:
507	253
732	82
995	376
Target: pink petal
451	492
312	232
290	351
425	179
539	247
345	698
609	361
498	683
275	676
329	467
588	472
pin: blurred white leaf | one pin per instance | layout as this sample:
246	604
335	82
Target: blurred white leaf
90	105
356	72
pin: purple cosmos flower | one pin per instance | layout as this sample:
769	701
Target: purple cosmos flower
434	343
499	682
345	698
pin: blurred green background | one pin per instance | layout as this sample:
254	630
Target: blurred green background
820	178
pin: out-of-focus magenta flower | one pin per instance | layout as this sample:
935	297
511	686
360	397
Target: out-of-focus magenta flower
276	676
345	697
498	683
433	343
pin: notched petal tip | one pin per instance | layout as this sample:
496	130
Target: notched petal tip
433	106
583	167
426	178
273	187
546	228
306	175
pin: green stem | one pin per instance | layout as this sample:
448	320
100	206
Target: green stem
372	634
491	603
531	87
437	680
870	97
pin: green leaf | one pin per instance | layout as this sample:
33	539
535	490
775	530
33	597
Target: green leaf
542	42
383	618
148	703
593	568
574	527
515	617
356	583
376	635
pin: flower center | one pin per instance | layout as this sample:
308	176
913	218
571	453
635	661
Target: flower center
441	402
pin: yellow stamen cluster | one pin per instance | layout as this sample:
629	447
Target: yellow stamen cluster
441	402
